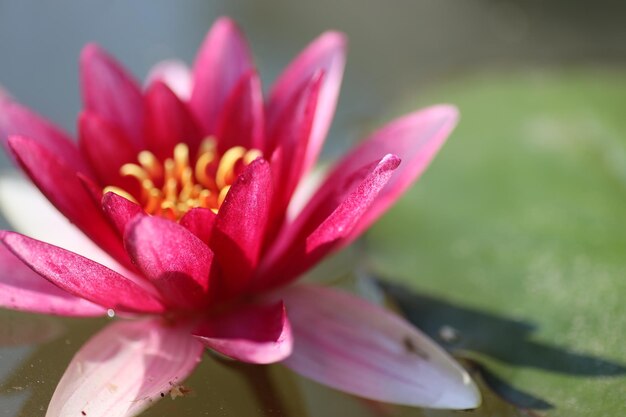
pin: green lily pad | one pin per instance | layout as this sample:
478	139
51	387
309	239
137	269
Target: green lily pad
511	250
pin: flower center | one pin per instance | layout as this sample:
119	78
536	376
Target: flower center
173	187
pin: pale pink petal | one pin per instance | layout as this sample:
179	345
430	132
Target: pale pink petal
30	213
111	93
240	224
175	74
124	368
82	277
352	345
255	334
326	53
23	289
415	138
222	59
172	258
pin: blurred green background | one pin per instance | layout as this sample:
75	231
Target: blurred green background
510	251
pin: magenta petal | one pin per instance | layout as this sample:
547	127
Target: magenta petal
120	211
124	368
82	277
242	121
223	58
16	120
61	185
325	54
354	346
175	74
255	334
168	122
111	93
325	226
415	138
106	148
171	257
199	221
23	289
240	225
289	139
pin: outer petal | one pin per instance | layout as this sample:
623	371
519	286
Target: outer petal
326	53
175	74
168	122
29	213
323	227
415	138
256	334
80	276
171	257
354	346
111	93
242	121
123	369
240	225
223	58
16	120
61	185
23	289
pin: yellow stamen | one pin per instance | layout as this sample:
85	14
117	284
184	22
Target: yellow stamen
172	187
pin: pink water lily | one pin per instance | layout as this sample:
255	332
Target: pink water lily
185	190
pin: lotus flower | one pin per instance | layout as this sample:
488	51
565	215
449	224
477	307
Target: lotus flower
185	190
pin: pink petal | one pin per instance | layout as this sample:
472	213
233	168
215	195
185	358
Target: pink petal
354	346
175	74
106	148
111	93
415	138
60	184
221	61
29	213
324	227
120	211
124	368
16	120
171	257
326	54
168	122
242	121
23	289
290	138
240	226
256	334
80	276
199	221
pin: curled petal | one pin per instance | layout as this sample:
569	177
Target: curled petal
255	334
111	93
82	277
175	74
223	58
23	289
325	54
354	346
171	257
120	211
124	368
